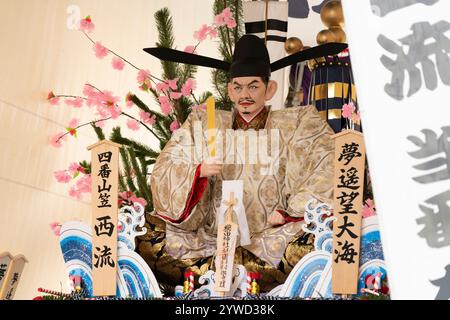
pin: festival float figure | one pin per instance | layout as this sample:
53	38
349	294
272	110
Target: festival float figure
187	190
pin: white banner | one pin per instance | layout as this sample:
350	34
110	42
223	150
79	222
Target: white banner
400	57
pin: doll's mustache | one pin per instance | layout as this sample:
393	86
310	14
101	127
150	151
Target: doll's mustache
246	100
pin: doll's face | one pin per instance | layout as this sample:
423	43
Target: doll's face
250	94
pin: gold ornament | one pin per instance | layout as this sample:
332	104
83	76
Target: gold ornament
325	36
332	15
293	45
339	34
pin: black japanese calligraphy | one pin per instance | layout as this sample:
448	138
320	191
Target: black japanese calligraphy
349	151
104	200
105	227
103	258
2	271
105	157
345	227
104	171
349	179
347	254
346	201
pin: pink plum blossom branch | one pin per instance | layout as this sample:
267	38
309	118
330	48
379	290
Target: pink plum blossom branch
82	125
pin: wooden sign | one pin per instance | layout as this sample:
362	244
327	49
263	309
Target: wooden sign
10	280
349	165
105	179
211	118
226	246
5	261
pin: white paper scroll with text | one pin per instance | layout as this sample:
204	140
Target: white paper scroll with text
237	187
400	56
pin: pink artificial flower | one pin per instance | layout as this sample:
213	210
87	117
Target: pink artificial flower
118	64
52	98
356	117
93	96
368	209
86	25
199	107
173	84
108	98
175	95
62	176
162	87
201	34
133	124
55	140
218	20
347	110
75	168
231	23
110	102
88	91
56	228
84	184
174	126
147	118
143	76
54	101
74	123
76	103
166	108
143	79
100	50
163	99
212	32
188	87
115	112
75	193
128	101
103	111
189	49
225	18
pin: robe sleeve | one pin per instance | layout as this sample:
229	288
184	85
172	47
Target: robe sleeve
176	185
310	164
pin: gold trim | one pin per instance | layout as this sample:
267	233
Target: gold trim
332	114
332	90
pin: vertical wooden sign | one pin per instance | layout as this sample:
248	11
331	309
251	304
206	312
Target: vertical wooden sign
10	280
349	166
226	246
5	262
105	179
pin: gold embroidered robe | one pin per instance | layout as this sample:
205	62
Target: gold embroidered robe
305	171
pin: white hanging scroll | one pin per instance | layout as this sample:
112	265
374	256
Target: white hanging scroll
400	56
